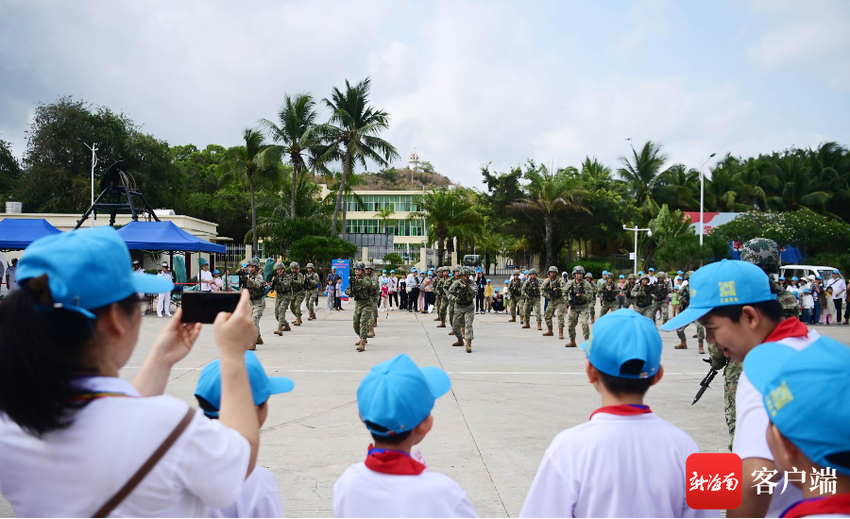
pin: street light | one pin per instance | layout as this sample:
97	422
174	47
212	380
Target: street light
702	199
636	230
93	149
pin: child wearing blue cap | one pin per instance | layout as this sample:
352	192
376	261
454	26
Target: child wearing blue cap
805	395
734	301
395	401
592	469
260	496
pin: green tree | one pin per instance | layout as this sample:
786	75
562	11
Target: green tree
297	135
10	170
384	215
355	128
321	250
643	174
250	164
680	187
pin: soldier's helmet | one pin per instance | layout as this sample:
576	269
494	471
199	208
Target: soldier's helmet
687	275
253	262
466	271
532	271
553	269
578	269
359	265
632	276
294	265
516	272
662	274
279	265
761	251
609	275
456	268
589	275
369	266
645	276
310	266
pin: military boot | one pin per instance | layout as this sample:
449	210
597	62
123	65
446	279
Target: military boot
682	345
468	345
539	327
550	333
437	318
279	330
442	324
259	339
512	320
701	349
571	344
451	332
695	337
361	346
458	342
526	325
312	316
371	332
286	327
297	320
561	333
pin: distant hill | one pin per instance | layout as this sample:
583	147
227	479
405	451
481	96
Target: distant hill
403	179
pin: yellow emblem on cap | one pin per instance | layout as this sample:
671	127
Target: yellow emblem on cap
727	292
778	398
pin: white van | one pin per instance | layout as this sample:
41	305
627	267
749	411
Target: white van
802	271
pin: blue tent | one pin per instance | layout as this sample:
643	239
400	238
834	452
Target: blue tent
18	234
160	236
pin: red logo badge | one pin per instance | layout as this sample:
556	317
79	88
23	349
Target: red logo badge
714	481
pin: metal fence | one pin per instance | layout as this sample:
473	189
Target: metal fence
234	255
379	244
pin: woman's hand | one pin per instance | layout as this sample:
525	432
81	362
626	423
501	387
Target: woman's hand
235	333
175	341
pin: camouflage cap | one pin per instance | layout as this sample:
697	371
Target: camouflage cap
578	269
466	271
294	265
589	275
632	276
359	265
761	251
279	265
645	276
662	274
253	262
532	271
609	275
553	269
456	268
310	266
369	266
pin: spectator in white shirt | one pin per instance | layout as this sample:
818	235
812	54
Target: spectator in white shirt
206	278
11	279
217	284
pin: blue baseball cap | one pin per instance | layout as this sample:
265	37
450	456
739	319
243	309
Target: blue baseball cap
392	272
819	278
413	269
525	272
216	271
488	281
262	385
795	278
507	281
604	272
805	394
204	262
397	395
384	270
652	269
497	290
622	276
477	269
244	264
640	273
835	271
679	272
622	336
781	278
725	283
807	291
87	269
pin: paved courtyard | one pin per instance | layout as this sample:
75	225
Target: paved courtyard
509	398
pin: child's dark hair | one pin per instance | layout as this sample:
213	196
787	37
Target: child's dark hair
620	385
392	439
772	310
41	353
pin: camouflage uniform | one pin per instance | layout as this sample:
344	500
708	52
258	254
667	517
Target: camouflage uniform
311	284
361	288
531	294
298	292
660	291
642	295
608	293
630	285
515	290
578	295
591	310
282	286
464	292
256	286
443	299
452	300
553	289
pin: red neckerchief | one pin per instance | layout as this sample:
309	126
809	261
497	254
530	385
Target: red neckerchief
623	409
397	463
791	327
839	504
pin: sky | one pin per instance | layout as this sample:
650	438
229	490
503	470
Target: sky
466	83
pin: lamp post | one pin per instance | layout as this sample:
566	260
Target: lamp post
636	230
702	199
93	149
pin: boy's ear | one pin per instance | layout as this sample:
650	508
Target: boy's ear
425	427
787	450
750	317
592	372
657	378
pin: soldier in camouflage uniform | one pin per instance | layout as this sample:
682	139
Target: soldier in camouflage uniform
311	286
298	292
578	295
765	253
281	283
376	299
660	291
531	293
443	308
435	286
608	293
642	294
451	298
515	290
256	287
360	288
591	307
684	301
464	292
553	289
631	283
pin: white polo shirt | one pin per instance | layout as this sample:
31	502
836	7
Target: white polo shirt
751	425
839	286
615	466
259	498
206	281
72	472
362	492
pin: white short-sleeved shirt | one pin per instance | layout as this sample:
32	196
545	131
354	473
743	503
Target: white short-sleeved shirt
751	425
615	466
72	472
259	498
838	287
362	492
206	281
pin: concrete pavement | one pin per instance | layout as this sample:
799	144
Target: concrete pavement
509	398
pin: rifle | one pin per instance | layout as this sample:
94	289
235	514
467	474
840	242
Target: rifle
704	384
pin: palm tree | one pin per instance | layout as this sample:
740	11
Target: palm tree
725	189
447	214
385	214
297	135
249	164
334	179
680	187
354	126
797	185
643	174
548	196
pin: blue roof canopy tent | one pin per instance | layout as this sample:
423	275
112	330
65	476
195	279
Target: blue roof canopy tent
165	236
18	234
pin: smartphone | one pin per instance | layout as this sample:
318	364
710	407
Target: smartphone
203	307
